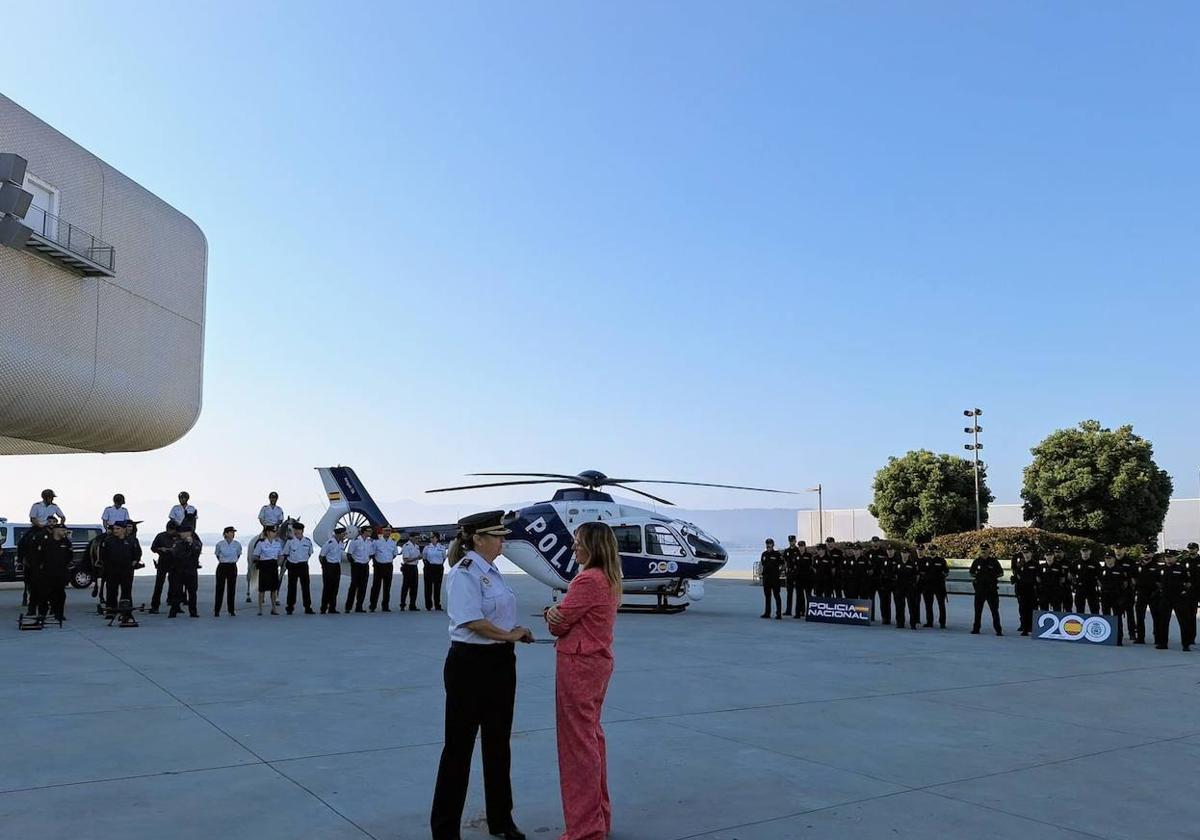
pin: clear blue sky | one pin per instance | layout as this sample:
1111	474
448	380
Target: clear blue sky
757	243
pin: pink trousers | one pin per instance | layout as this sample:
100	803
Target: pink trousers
580	685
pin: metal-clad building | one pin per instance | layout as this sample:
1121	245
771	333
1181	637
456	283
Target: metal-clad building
101	309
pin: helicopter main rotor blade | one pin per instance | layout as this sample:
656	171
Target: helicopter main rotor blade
492	484
574	479
642	493
698	484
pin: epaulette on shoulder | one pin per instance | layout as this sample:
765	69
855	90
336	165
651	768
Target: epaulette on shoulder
464	563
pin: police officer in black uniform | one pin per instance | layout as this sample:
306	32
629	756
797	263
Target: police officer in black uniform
1024	579
1146	589
885	582
986	572
1084	577
56	553
1114	586
164	541
791	573
120	554
822	566
1173	595
1130	567
185	561
804	579
905	592
932	580
1190	560
1052	584
858	575
29	549
772	568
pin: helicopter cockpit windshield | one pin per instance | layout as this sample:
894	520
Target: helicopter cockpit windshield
701	544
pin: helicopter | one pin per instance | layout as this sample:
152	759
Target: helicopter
661	556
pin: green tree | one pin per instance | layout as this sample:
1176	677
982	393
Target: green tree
1097	483
922	495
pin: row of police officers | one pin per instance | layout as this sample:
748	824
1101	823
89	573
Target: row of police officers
1166	585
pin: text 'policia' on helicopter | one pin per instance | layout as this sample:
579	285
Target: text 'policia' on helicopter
660	555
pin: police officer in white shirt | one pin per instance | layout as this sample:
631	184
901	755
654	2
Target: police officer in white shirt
116	512
331	569
385	555
410	556
267	553
45	508
228	551
361	549
480	679
297	550
179	511
271	513
434	556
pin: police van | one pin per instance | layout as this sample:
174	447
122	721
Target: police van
10	537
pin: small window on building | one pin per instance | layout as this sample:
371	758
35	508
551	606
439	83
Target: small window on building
660	541
629	539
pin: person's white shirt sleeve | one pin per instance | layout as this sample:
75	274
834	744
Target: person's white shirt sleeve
464	599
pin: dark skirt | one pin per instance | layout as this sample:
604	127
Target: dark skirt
268	575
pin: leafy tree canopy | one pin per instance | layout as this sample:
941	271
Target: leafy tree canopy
1097	483
921	495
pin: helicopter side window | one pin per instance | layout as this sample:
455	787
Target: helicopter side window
660	541
629	539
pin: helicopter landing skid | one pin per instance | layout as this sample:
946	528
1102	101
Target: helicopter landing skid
661	609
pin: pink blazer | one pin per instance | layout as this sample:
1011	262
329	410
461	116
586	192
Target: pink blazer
589	611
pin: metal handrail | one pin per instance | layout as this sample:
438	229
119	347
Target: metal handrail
69	236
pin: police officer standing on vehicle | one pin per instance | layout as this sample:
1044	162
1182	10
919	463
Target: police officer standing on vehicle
41	512
120	553
185	577
986	572
791	573
361	550
331	557
434	556
933	572
384	552
1114	587
771	563
480	677
116	512
228	551
162	547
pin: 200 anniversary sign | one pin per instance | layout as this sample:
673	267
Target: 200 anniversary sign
839	611
1072	627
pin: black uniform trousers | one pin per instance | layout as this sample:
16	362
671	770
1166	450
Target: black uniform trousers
54	594
227	577
298	572
929	593
331	580
433	586
161	570
803	596
35	588
1114	605
790	586
991	597
1026	601
1145	601
408	585
357	590
907	598
1181	607
183	588
118	586
381	582
771	588
481	688
885	605
1054	600
1088	598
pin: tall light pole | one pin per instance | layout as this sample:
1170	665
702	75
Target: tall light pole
820	513
974	429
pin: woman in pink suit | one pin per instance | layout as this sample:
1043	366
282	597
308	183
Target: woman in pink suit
583	623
